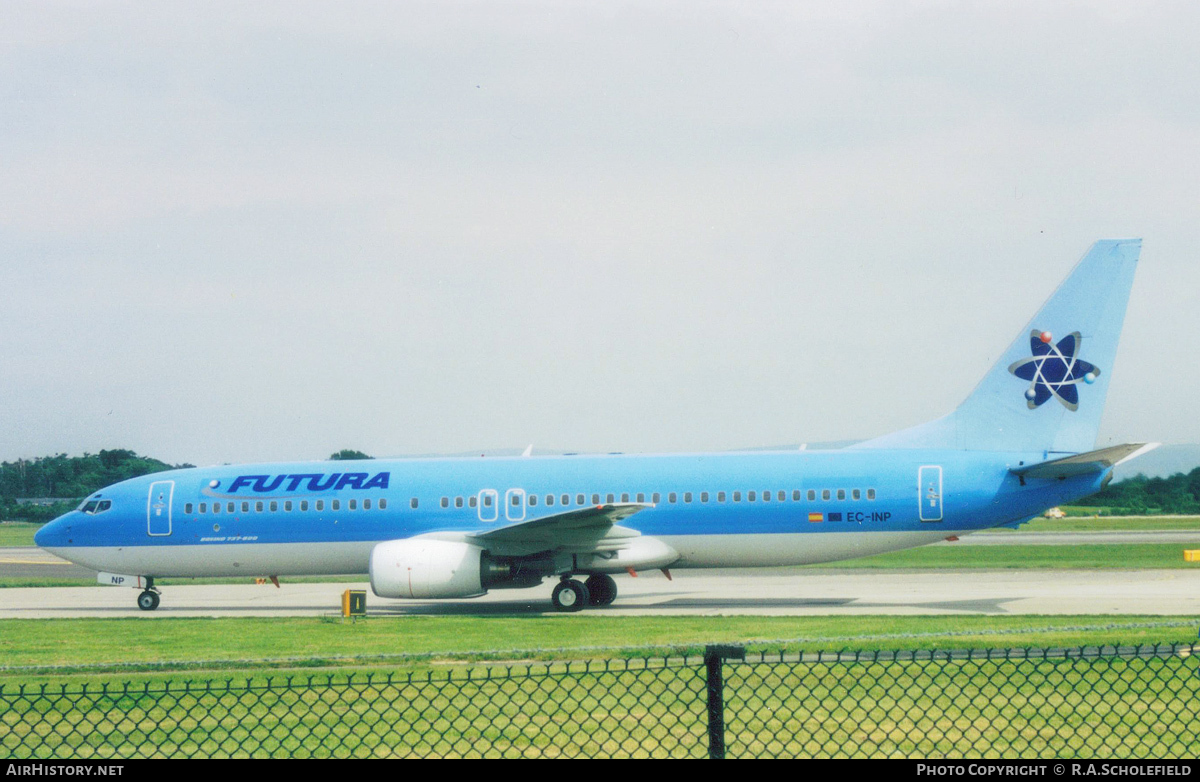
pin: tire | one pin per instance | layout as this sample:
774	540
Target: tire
602	590
569	595
148	601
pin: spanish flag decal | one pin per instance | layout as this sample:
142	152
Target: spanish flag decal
815	517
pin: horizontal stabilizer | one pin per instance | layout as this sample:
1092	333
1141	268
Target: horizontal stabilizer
1084	463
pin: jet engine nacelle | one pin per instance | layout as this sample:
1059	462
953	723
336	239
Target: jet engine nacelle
425	568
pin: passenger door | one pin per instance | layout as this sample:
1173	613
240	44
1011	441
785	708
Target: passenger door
158	508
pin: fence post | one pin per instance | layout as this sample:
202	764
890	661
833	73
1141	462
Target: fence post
714	654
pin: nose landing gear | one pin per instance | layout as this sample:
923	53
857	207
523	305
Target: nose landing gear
148	600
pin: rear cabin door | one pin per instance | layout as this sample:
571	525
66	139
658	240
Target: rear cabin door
158	508
929	484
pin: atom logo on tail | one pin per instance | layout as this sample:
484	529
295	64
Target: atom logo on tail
1054	370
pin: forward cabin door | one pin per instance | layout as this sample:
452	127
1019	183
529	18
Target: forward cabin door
158	508
929	485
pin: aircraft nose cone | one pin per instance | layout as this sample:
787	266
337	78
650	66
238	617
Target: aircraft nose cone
53	533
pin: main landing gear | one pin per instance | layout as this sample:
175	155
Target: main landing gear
148	600
571	595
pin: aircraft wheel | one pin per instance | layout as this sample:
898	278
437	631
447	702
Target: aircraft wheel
602	590
569	595
148	601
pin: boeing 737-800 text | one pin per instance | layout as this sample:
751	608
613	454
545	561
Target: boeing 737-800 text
1022	442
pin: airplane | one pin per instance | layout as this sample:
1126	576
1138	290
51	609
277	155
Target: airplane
1022	442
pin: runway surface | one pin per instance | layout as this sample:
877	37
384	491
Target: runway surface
696	592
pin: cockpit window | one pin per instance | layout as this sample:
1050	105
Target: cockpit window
92	507
89	506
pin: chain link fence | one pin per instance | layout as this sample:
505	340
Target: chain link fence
1110	702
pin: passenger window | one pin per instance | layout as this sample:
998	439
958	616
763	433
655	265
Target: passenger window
751	496
258	506
204	507
870	494
566	499
641	497
245	507
274	506
812	495
549	499
216	507
321	504
720	496
286	506
595	499
445	502
856	494
625	497
303	505
671	497
411	503
766	496
458	503
472	501
383	503
229	507
335	504
841	494
578	499
795	495
687	496
737	496
610	499
532	500
824	494
781	496
704	496
516	500
353	505
188	508
487	501
655	498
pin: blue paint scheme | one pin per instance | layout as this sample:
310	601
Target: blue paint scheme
980	493
947	477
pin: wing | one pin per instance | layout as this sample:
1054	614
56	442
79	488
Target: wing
1083	463
587	530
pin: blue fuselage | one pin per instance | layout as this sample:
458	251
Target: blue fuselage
726	509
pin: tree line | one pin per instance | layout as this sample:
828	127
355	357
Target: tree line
1141	495
71	478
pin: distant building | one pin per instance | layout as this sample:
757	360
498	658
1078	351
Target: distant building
44	501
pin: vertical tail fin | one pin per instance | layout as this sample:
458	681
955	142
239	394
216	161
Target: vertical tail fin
1047	391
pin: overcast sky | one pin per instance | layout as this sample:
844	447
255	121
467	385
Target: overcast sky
260	231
